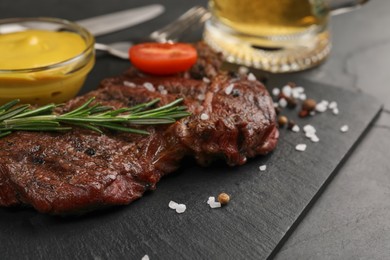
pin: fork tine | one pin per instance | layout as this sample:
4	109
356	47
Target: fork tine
191	19
171	26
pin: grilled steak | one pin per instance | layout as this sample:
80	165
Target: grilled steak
232	118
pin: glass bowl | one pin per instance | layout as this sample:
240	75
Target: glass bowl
49	83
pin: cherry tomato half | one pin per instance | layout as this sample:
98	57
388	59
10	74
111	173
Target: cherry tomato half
163	58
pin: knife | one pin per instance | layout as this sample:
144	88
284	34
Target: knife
112	22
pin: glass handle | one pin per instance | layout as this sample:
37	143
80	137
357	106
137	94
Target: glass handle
344	6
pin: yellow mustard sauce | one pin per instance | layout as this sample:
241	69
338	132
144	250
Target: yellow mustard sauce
33	66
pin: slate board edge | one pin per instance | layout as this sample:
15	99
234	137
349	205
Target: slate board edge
325	184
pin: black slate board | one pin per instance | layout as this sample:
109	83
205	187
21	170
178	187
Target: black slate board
265	206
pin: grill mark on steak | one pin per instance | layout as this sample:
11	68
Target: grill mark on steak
237	124
82	170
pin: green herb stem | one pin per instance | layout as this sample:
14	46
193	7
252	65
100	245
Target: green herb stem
93	117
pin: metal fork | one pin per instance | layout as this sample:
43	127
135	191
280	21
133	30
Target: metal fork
190	20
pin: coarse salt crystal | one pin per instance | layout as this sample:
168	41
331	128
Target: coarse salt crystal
309	129
160	87
332	105
310	134
111	176
283	102
312	113
302	96
275	91
164	92
321	107
173	205
335	111
201	97
229	89
204	116
295	94
344	128
251	77
149	86
315	139
214	205
325	102
146	257
129	84
210	200
243	70
263	168
299	89
295	128
286	90
181	208
276	104
206	80
300	147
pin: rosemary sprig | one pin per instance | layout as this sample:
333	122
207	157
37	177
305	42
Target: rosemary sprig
94	117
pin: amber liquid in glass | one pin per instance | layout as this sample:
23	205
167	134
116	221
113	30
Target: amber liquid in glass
274	35
270	17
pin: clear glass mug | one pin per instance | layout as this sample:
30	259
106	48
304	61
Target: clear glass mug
273	35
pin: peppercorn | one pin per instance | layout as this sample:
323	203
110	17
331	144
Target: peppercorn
303	113
233	74
309	104
236	93
277	110
38	160
223	198
282	120
292	84
282	95
90	151
291	124
291	102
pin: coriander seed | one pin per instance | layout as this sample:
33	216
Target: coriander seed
282	120
309	104
223	198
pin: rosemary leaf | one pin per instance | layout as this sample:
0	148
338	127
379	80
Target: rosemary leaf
49	119
8	105
91	119
163	108
39	111
13	112
144	106
80	109
151	121
88	126
101	109
94	117
124	129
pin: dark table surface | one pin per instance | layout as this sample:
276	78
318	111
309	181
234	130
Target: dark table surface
351	218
